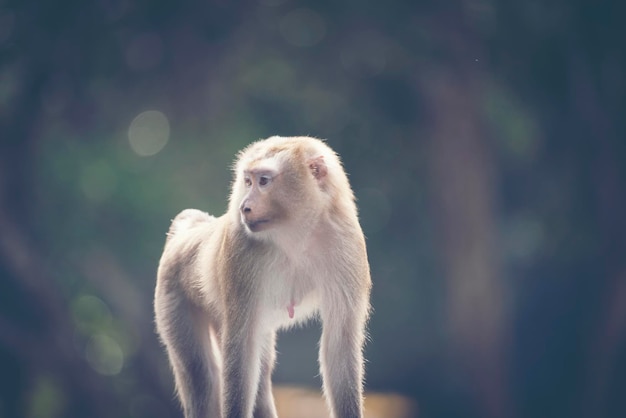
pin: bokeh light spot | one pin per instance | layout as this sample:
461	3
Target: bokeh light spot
148	133
47	398
303	27
90	313
104	355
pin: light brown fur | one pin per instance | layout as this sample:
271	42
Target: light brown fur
289	247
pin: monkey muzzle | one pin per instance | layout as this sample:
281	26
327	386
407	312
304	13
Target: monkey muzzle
253	223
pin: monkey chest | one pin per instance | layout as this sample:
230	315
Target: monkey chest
288	299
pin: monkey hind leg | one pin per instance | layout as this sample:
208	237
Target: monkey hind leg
188	219
186	333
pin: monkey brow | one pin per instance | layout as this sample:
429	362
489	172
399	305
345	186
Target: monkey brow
262	171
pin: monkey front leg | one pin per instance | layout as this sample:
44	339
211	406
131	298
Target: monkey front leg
241	369
341	360
265	406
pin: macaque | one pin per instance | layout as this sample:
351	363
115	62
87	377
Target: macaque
290	247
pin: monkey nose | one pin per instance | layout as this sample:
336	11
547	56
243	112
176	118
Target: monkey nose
245	208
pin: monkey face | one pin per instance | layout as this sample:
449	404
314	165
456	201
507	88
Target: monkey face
260	208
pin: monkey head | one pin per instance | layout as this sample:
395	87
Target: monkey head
280	185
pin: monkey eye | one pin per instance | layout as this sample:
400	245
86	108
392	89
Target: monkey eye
247	181
264	180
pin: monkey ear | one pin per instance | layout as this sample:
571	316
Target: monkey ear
318	167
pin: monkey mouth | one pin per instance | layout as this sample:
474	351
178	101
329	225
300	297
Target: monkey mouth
257	225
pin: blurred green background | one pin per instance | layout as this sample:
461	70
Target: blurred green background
485	141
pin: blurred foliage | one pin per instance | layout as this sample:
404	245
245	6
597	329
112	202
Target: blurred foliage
117	114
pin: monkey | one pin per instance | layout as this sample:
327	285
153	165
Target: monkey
289	248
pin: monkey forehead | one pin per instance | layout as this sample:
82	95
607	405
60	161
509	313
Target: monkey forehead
275	150
267	166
